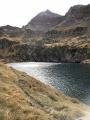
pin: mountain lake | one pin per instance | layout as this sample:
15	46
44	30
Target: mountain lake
72	79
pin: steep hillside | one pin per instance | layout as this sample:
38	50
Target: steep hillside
25	98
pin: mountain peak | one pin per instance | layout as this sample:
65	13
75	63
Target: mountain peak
44	21
48	13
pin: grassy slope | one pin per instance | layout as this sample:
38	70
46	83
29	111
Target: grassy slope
25	98
77	41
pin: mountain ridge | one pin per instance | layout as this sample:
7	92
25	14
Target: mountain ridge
68	41
47	18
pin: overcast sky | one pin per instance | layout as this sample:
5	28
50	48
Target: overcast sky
19	12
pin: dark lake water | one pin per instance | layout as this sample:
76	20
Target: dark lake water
72	79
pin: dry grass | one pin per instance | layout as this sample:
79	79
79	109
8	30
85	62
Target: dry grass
13	103
86	61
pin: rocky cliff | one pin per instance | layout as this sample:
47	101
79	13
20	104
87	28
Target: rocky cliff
76	14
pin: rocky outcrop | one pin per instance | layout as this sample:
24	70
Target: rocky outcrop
10	31
14	51
5	43
50	54
76	14
50	35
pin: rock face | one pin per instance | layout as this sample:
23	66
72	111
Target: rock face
44	21
79	12
76	14
4	30
53	54
5	43
8	29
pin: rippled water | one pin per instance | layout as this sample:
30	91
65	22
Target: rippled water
70	78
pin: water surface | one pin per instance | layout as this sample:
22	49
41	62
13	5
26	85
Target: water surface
71	79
